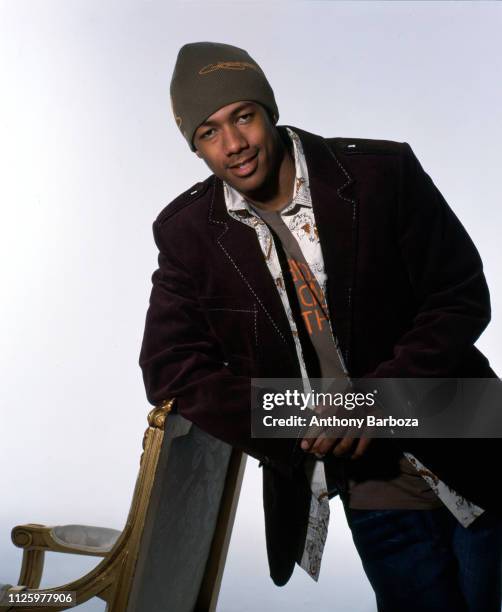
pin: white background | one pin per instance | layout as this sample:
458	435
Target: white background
89	154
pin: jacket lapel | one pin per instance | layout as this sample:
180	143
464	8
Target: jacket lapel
240	248
335	210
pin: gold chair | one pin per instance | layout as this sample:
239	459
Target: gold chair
171	553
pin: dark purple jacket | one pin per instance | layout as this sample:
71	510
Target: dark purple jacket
406	295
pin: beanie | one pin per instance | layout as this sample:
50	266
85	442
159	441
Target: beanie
208	76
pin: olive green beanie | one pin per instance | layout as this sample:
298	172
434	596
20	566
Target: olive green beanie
208	76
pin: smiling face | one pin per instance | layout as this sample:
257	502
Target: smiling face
241	146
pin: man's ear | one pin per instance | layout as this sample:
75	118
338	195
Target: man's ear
197	152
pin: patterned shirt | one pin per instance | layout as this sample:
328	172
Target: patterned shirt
299	217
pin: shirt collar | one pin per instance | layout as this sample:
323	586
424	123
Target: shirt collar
240	207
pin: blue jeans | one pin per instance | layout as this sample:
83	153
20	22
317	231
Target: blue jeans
425	561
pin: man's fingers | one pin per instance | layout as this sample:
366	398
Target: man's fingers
361	448
319	444
307	443
311	437
323	445
343	446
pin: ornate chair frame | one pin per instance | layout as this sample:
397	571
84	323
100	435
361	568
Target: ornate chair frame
115	579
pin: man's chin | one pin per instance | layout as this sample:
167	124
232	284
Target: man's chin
245	185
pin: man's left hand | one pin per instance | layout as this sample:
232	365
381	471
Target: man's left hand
321	445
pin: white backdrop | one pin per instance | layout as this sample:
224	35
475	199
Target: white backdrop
89	153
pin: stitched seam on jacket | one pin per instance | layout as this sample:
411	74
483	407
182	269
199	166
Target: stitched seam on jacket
237	267
228	310
353	202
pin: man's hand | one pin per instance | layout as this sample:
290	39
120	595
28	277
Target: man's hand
320	444
339	440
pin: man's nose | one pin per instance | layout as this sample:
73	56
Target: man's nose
233	139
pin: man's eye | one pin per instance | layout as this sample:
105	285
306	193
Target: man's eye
207	133
245	118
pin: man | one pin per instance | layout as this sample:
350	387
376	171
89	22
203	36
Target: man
309	257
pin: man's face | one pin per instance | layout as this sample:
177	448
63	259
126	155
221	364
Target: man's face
240	145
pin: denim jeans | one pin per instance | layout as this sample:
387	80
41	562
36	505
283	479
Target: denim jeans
425	561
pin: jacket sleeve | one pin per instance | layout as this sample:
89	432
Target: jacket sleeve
181	358
446	275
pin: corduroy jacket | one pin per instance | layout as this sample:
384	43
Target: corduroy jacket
406	295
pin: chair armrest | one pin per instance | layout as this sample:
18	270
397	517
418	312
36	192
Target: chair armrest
76	539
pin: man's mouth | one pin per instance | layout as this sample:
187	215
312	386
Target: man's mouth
245	167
